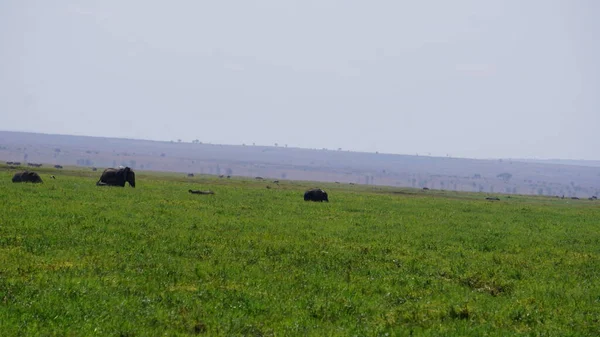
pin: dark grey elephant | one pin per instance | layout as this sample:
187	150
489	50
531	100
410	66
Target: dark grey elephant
27	177
316	194
117	177
200	192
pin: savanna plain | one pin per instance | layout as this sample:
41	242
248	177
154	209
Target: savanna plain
82	260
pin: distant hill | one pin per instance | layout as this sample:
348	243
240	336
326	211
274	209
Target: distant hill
591	163
555	177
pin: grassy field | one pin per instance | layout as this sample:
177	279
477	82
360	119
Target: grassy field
81	260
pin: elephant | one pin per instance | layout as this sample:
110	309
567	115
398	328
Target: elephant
200	192
117	177
316	194
27	177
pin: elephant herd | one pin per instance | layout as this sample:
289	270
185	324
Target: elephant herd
120	176
110	177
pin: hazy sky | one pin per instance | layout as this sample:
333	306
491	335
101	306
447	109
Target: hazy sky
468	78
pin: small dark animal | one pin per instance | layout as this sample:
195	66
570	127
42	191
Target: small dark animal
58	166
276	181
228	177
53	177
200	192
190	174
27	177
316	194
492	198
425	188
94	169
221	176
117	177
268	187
9	163
591	198
17	163
574	198
594	197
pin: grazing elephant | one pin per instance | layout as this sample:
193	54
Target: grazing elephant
316	194
27	177
200	192
117	177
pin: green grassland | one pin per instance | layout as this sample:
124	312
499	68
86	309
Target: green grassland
82	260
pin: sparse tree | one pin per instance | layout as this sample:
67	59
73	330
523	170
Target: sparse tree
504	176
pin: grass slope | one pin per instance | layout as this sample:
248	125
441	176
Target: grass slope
81	260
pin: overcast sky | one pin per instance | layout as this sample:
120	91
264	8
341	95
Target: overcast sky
465	78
